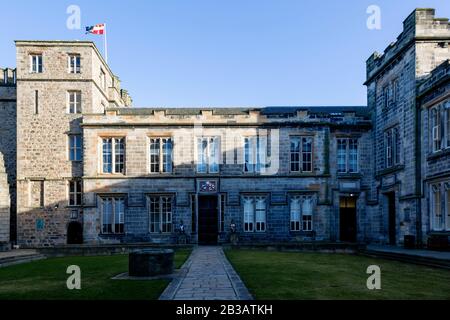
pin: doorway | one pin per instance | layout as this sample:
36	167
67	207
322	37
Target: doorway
74	233
208	220
391	218
347	219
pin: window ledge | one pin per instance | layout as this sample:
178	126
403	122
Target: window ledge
305	173
161	233
109	235
347	175
111	175
391	170
303	233
438	154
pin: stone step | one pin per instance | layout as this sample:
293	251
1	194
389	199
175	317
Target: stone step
19	259
414	259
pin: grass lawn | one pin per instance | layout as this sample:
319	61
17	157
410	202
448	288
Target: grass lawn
287	276
46	279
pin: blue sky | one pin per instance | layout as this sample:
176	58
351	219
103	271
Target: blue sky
225	53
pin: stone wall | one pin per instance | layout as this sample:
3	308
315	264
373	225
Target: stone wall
8	146
5	205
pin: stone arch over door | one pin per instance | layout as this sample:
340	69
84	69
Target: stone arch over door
74	233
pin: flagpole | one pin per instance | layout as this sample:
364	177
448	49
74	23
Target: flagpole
105	46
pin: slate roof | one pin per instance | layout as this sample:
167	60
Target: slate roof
269	111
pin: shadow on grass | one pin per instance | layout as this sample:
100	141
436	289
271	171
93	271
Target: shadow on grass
296	276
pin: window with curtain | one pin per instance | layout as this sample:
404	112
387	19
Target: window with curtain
208	154
160	211
347	155
295	213
113	155
254	213
113	215
161	154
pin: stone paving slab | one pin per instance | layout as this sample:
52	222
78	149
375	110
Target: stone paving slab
207	275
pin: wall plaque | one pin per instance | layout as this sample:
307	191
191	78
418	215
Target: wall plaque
207	186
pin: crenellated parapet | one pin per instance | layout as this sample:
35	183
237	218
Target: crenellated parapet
420	25
7	77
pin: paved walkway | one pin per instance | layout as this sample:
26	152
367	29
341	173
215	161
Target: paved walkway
207	275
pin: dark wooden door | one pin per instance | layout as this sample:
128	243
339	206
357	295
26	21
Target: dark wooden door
347	219
74	233
392	220
207	220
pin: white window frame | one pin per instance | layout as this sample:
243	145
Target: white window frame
164	223
222	209
346	142
77	102
295	214
113	214
436	208
114	140
210	162
301	153
308	222
299	219
76	150
386	96
161	163
76	63
447	206
253	222
257	154
447	124
395	91
77	192
35	58
435	125
392	146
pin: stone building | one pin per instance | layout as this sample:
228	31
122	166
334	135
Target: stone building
392	89
57	82
434	110
273	172
90	168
